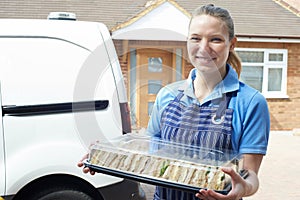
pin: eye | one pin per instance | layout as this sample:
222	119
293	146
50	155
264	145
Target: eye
195	39
216	39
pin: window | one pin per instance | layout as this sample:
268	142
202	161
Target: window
154	86
155	65
265	70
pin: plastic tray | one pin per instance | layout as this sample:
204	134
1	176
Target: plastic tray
167	164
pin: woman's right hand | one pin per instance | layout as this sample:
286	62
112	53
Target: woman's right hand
85	169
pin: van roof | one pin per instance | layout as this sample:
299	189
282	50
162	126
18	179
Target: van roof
85	34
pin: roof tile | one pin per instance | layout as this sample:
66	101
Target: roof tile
265	18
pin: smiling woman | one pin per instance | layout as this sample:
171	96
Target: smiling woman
209	44
212	108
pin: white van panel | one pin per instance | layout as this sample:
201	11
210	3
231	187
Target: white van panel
55	71
44	145
2	159
29	76
38	70
53	62
86	34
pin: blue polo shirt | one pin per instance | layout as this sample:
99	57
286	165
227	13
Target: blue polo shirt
251	120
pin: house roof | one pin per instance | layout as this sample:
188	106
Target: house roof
292	5
264	18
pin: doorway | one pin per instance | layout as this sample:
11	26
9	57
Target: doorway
154	69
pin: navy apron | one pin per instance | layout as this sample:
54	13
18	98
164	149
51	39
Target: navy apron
208	127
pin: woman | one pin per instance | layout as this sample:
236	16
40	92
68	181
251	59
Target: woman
237	113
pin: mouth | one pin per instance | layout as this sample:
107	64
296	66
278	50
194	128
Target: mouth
205	58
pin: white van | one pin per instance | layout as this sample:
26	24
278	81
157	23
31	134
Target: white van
61	89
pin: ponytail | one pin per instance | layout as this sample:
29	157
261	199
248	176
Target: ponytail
235	62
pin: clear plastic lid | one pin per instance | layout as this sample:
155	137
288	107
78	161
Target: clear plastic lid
169	162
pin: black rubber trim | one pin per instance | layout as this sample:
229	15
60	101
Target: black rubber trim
56	108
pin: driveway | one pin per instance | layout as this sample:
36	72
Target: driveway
280	171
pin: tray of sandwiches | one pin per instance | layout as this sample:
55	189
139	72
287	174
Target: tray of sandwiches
164	163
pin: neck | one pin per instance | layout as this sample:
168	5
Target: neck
205	83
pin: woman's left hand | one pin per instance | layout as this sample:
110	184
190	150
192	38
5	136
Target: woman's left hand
239	188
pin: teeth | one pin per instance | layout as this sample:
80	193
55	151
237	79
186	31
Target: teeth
206	59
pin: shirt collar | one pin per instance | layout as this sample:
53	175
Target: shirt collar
229	84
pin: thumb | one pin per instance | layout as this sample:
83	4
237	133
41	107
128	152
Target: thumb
232	173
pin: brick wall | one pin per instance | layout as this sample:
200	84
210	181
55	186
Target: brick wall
284	113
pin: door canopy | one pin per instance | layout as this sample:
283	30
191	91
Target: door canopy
161	20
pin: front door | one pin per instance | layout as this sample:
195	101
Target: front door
153	72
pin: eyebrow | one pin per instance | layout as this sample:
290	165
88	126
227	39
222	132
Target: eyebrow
213	35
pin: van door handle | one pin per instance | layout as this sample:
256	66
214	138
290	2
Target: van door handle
55	108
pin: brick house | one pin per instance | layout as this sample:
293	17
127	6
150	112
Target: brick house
150	39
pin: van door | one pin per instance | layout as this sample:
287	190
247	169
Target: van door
2	158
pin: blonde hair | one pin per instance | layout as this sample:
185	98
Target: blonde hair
222	14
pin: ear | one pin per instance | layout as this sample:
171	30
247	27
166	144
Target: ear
233	43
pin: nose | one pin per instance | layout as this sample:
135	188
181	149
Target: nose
203	46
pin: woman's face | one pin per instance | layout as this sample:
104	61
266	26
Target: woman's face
208	44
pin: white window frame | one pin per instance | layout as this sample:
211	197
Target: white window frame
271	65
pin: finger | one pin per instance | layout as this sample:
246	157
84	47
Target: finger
84	157
80	164
211	194
93	144
227	170
233	174
201	194
92	172
86	170
215	195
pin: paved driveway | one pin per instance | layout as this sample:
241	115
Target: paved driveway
280	171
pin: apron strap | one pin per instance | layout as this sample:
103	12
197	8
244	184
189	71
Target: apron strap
223	105
179	96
